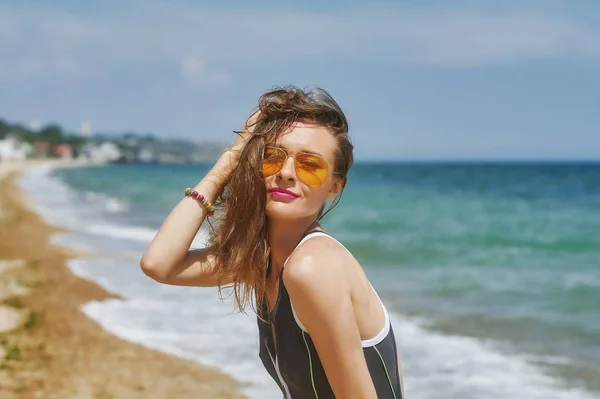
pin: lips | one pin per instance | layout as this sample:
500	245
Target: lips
280	192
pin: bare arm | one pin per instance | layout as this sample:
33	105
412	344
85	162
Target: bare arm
400	376
168	259
323	302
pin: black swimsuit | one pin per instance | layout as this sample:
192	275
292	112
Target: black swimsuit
295	364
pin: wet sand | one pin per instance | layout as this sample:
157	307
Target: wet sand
49	348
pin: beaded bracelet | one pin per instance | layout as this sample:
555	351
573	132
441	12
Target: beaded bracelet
196	195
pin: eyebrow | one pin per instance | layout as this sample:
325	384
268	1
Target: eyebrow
302	151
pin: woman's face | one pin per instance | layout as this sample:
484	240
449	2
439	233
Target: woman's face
304	200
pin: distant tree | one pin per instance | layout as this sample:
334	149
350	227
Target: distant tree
22	132
151	137
52	134
129	136
76	142
4	128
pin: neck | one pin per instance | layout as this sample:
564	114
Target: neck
284	236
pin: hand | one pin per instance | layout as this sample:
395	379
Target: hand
221	171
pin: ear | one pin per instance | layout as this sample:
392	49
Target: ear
336	187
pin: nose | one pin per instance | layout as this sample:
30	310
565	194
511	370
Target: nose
288	171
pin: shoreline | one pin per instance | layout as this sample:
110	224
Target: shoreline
48	347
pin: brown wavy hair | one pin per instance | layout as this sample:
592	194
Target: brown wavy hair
239	234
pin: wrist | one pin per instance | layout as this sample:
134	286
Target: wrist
210	187
214	181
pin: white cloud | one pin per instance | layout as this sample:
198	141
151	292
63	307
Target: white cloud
195	74
192	68
473	40
38	40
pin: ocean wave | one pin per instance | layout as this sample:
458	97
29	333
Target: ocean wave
110	204
135	233
194	323
200	327
62	205
466	367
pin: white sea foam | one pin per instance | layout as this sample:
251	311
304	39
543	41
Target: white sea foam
465	367
191	323
142	234
197	325
48	196
78	268
111	204
194	323
60	207
121	232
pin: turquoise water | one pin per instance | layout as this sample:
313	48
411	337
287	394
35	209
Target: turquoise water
491	270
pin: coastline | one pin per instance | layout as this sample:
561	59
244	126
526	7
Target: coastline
48	347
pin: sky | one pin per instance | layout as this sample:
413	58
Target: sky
417	79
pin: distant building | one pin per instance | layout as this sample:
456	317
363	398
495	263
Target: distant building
41	149
147	155
105	152
13	149
63	151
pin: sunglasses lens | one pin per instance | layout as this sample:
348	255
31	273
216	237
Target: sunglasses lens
273	160
312	169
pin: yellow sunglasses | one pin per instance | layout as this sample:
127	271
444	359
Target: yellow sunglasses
311	169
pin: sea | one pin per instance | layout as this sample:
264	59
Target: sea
490	271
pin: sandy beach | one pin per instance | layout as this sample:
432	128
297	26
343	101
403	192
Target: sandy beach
49	348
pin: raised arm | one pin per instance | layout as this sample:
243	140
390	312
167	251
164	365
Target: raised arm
168	259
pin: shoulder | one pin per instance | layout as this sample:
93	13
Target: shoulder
318	257
317	268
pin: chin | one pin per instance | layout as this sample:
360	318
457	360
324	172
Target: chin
285	211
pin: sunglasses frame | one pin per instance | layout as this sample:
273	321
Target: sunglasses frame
287	155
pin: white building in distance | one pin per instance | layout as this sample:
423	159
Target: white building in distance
105	152
13	149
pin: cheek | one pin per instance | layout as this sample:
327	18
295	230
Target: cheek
269	181
315	197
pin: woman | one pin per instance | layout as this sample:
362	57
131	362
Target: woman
323	330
